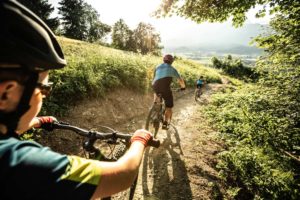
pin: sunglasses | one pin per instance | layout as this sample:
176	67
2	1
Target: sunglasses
45	88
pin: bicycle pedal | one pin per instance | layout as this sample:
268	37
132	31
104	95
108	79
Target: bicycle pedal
165	126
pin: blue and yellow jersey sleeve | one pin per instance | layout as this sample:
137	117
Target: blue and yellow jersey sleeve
31	171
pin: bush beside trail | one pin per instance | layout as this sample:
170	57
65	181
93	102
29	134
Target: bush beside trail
259	126
235	68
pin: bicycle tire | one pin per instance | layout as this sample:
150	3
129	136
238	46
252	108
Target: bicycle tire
198	94
118	151
127	194
152	124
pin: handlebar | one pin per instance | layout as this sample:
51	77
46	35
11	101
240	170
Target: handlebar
100	135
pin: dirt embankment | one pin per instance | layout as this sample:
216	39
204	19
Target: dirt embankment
184	167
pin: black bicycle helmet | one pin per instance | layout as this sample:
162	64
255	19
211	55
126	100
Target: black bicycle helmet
25	40
26	43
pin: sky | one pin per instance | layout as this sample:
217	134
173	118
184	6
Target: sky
173	29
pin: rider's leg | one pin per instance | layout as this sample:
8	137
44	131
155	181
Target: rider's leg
168	97
168	115
202	88
154	97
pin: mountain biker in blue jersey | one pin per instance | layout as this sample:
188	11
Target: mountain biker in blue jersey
28	50
200	82
163	76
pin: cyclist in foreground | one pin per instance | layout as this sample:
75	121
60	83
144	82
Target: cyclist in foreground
28	50
163	76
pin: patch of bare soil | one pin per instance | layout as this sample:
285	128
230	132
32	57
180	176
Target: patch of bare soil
118	110
183	167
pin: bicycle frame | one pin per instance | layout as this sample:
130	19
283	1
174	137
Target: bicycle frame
156	115
198	93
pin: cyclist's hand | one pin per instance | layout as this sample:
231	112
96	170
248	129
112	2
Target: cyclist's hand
141	136
182	89
46	122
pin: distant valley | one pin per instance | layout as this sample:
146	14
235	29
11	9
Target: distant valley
217	41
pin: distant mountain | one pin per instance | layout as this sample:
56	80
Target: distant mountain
215	49
219	39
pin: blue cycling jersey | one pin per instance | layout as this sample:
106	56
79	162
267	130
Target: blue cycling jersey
165	70
199	82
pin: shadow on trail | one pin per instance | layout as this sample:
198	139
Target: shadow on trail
164	172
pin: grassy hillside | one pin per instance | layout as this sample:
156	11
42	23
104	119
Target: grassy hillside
94	70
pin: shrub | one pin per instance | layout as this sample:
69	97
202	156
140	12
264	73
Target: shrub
260	127
235	68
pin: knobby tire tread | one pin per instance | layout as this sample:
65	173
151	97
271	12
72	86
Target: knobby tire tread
128	194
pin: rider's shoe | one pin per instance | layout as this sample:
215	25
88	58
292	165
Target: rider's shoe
165	125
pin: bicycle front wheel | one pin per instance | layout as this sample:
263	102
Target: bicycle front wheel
152	121
113	151
127	194
198	94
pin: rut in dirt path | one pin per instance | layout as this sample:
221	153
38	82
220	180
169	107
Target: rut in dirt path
184	166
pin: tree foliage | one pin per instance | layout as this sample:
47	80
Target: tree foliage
42	9
234	67
81	21
146	39
72	12
122	36
143	39
219	11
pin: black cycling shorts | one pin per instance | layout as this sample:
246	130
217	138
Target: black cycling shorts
162	86
199	85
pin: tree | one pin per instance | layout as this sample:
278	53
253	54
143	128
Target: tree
72	12
147	40
81	21
122	36
219	11
42	9
96	30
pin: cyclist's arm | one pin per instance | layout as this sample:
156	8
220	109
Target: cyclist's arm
117	176
181	82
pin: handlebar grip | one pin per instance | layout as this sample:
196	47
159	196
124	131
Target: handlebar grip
154	143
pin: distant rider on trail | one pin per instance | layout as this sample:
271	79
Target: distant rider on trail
163	76
200	83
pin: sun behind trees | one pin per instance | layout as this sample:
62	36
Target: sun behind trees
143	39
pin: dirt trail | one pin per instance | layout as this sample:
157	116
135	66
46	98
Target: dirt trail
182	168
